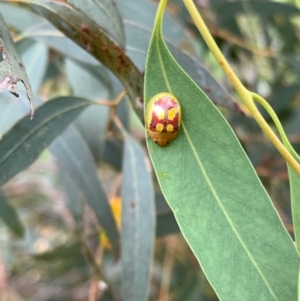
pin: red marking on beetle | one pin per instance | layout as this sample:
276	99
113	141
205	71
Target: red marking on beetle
166	104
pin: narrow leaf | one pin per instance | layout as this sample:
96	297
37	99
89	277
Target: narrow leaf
10	217
221	207
22	145
11	66
73	154
138	223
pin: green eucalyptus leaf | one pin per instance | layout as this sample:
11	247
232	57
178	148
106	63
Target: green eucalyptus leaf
10	217
220	205
72	152
138	223
24	142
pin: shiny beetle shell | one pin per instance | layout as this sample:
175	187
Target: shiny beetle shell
163	117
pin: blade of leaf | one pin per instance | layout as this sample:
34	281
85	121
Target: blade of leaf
138	223
221	207
72	152
22	145
105	14
10	217
12	68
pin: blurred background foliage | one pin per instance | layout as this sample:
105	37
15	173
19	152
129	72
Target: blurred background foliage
51	244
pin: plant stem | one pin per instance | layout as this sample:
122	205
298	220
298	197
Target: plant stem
244	93
277	122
